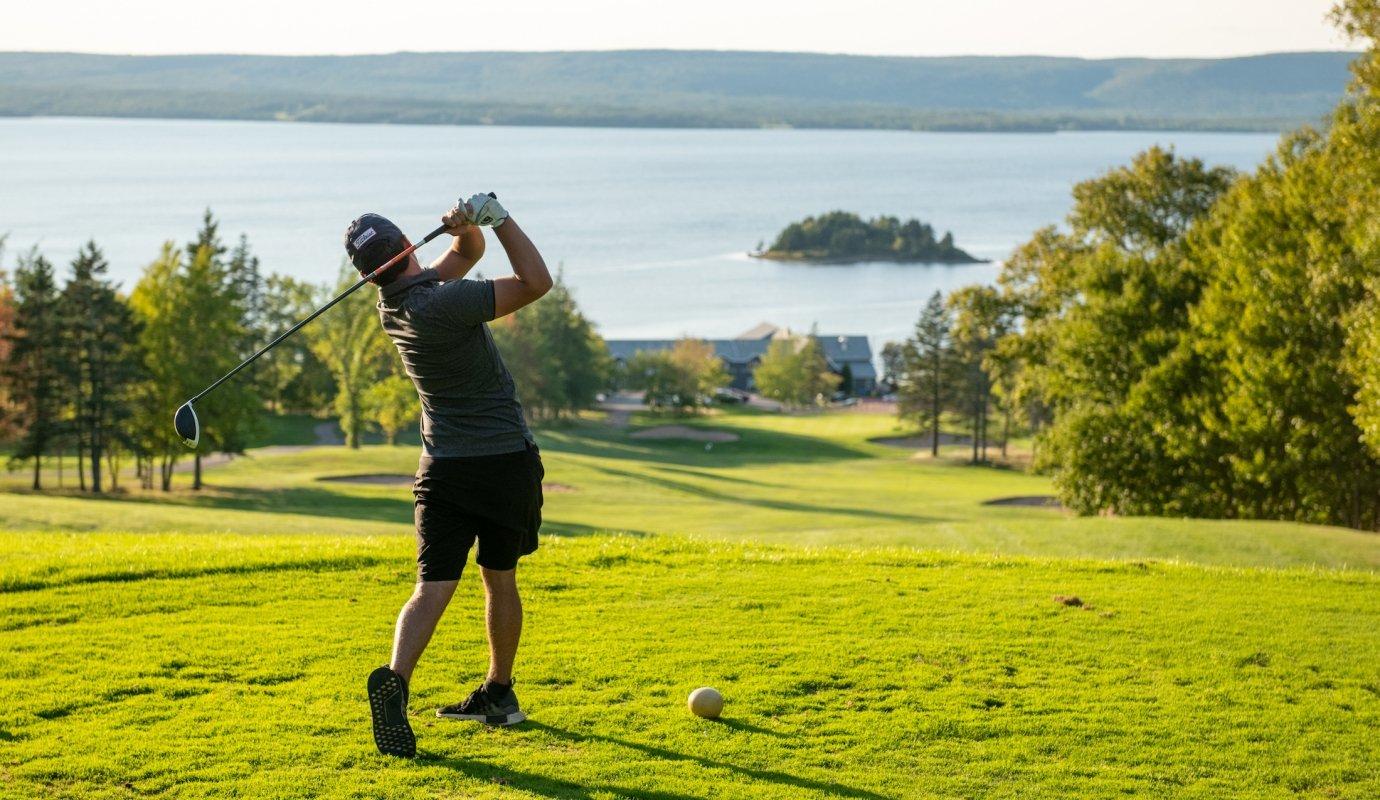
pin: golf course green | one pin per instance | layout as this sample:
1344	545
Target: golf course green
877	625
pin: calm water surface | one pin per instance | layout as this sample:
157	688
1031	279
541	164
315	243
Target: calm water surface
650	227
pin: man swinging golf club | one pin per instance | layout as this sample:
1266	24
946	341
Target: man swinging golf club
479	477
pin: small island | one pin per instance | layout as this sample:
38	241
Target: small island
839	237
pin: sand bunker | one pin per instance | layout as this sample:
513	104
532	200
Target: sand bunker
406	480
378	479
1033	501
685	432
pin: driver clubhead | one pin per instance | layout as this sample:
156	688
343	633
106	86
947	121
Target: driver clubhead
186	424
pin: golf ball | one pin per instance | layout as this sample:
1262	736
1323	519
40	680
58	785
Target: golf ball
706	702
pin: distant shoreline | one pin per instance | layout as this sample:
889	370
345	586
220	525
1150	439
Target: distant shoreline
690	90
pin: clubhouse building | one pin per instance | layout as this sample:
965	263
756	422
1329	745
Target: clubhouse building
847	355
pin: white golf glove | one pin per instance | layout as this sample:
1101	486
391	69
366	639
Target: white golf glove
484	209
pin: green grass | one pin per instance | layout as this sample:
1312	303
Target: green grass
213	666
797	480
877	632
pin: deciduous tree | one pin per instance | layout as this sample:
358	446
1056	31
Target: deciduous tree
351	343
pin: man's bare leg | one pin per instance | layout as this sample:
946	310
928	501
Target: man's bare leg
416	622
503	617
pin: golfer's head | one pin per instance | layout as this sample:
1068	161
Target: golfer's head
370	241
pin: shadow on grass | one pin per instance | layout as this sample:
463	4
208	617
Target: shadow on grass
544	785
556	788
19	584
555	527
307	500
754	447
776	505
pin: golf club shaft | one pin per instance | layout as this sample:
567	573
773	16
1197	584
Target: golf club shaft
318	312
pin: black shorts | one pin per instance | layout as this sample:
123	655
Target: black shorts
495	500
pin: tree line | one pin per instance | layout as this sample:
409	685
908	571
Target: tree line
90	371
686	378
1195	341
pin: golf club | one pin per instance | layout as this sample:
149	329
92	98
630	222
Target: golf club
185	421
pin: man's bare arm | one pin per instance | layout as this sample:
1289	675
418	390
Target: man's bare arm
465	249
530	279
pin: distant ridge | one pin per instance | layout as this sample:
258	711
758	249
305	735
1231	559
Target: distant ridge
674	88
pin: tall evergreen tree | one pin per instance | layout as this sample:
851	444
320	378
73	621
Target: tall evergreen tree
929	367
9	419
101	359
31	369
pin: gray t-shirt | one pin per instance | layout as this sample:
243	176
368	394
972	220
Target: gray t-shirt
469	405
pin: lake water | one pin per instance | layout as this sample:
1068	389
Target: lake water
651	227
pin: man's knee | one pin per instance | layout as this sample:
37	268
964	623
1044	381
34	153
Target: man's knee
499	580
434	590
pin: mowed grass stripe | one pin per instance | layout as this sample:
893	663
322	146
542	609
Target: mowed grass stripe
815	480
235	665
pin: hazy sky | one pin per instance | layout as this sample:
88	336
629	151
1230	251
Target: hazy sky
1087	28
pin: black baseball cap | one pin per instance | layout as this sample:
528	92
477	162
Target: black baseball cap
371	240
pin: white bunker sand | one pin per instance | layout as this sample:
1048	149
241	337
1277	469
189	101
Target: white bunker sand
685	432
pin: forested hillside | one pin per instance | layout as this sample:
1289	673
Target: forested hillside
687	88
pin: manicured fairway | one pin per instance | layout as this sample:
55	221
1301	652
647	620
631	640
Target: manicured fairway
812	480
877	630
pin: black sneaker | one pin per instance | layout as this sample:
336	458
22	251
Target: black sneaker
483	707
388	704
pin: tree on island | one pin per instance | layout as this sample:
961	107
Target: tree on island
840	236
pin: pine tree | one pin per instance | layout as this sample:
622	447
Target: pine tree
928	364
101	359
30	370
9	419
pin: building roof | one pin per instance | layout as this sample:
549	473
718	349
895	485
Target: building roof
855	351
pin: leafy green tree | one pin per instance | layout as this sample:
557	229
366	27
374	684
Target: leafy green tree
214	340
558	360
680	378
156	305
393	404
1295	250
795	371
352	344
654	373
980	319
1102	307
31	371
291	377
193	320
893	365
704	371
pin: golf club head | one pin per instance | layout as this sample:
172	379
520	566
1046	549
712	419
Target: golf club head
186	424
